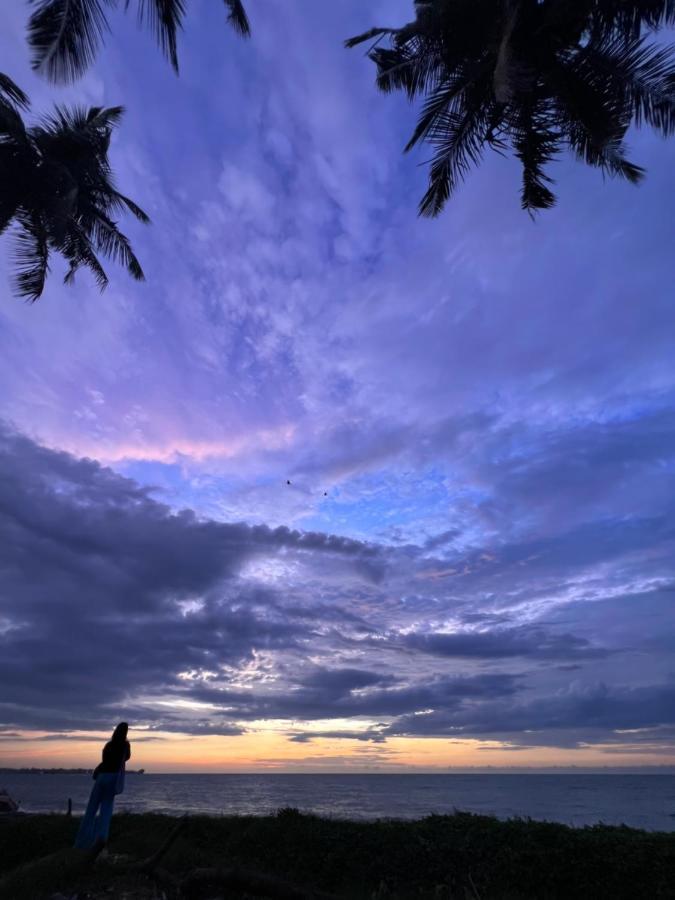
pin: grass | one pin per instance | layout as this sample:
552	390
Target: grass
458	856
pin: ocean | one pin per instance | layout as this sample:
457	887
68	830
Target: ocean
639	801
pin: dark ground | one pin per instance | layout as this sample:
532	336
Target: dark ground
460	856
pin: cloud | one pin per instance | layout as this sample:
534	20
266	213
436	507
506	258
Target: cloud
306	737
108	593
339	682
503	643
570	717
115	606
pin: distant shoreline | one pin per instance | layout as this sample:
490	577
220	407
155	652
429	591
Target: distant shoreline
514	770
32	771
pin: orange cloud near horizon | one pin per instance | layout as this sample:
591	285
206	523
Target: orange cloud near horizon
270	751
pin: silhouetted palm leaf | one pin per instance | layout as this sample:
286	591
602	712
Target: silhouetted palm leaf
535	145
237	17
12	100
165	17
457	137
79	251
538	76
121	202
12	93
627	17
112	243
65	35
31	257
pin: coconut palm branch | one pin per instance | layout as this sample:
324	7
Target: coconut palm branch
536	77
65	35
12	102
237	17
58	195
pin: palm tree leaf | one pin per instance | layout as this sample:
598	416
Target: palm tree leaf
237	17
12	100
31	258
69	277
644	75
627	19
78	250
11	123
10	92
445	98
412	68
368	36
109	117
536	144
612	161
78	120
64	36
165	18
133	208
110	241
458	138
592	112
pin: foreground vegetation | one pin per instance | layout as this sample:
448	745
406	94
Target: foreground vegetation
458	856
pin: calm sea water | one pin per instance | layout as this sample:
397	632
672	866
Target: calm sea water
641	801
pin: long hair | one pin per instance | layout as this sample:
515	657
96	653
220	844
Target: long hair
119	735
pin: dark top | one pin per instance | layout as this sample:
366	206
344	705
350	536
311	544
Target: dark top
114	756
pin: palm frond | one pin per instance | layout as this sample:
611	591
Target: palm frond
65	35
643	74
611	159
78	250
628	19
133	208
69	277
535	143
237	17
31	258
11	123
165	18
368	36
445	98
12	101
110	241
458	138
10	92
98	117
411	67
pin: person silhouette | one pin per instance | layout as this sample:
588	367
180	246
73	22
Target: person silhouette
108	781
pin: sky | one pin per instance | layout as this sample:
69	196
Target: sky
474	562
